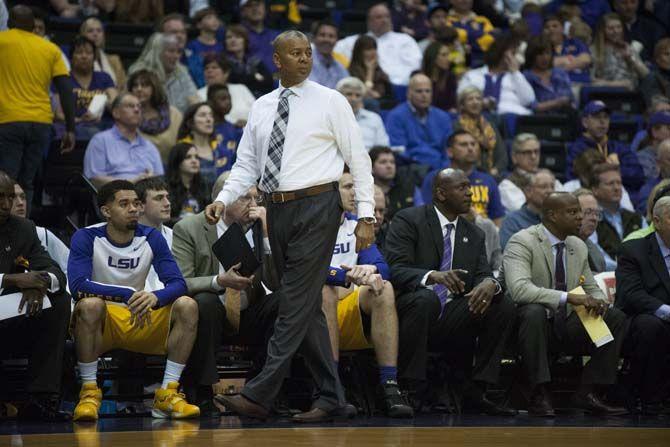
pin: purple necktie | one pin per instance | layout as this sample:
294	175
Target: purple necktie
440	289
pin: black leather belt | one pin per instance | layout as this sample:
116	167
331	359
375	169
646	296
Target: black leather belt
287	196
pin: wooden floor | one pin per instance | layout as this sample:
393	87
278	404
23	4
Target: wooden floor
186	434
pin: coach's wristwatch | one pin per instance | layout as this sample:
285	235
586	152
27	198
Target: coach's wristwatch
367	220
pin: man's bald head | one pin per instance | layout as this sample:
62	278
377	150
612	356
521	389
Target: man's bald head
562	214
451	192
21	17
557	201
420	92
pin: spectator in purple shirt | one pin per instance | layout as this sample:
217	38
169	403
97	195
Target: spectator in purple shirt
253	16
572	55
121	152
325	69
208	23
553	92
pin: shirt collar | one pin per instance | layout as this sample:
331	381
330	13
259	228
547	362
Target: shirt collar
297	89
117	134
665	251
552	239
443	219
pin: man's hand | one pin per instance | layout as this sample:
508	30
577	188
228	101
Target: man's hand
231	278
450	279
145	174
479	298
32	300
359	274
593	306
376	283
259	213
67	142
140	305
365	235
214	211
28	280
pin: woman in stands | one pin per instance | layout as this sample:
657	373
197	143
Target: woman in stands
365	66
552	86
246	69
437	67
217	71
570	54
87	84
197	129
658	81
161	56
491	144
616	63
109	63
160	120
188	190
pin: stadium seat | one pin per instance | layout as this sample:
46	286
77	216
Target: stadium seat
558	127
617	99
553	158
624	129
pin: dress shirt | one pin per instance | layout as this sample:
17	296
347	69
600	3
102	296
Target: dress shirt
443	226
221	228
663	312
516	94
615	220
372	129
553	240
326	70
399	54
111	154
322	134
610	264
179	86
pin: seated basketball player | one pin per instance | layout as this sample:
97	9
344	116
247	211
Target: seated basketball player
360	305
107	270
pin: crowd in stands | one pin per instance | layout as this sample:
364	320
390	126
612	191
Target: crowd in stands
440	92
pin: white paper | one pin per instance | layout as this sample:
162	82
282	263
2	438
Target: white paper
97	105
9	305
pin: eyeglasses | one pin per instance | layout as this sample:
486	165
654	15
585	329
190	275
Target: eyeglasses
591	212
529	152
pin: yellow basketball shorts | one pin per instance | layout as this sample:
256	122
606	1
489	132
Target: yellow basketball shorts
151	339
350	323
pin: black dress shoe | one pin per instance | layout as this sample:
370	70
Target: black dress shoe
592	405
208	409
242	406
540	404
43	409
316	415
481	404
394	402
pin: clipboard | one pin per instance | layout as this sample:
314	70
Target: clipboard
232	247
596	327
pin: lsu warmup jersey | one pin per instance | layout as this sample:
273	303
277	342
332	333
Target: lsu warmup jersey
97	267
344	253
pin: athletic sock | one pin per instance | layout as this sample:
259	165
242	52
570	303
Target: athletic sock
173	372
387	373
88	371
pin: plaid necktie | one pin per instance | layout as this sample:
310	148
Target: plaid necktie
440	289
270	180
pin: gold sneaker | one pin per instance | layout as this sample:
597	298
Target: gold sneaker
171	404
90	398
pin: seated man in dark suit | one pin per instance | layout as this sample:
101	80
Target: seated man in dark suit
228	303
643	292
26	267
448	300
541	266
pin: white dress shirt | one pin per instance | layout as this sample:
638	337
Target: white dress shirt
372	129
399	54
516	94
322	134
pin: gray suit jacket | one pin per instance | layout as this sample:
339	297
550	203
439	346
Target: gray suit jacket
192	241
528	268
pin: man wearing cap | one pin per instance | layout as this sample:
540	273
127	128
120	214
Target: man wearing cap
658	130
596	123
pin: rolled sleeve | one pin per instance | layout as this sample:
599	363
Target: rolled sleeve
663	312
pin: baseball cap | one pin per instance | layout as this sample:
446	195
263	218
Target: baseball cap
593	107
245	2
659	118
434	7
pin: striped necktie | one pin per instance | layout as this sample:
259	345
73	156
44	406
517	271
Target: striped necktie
445	265
270	180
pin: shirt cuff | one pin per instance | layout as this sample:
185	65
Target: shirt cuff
663	312
498	286
563	300
215	285
1	278
266	246
55	284
365	209
425	278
